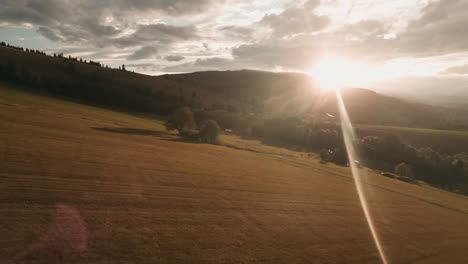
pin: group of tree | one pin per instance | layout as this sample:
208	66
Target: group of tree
420	163
22	49
61	56
183	121
385	152
72	78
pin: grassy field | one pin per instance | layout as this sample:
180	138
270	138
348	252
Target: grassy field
79	184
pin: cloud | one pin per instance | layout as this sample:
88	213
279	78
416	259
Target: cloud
173	58
287	55
294	20
66	21
160	34
237	32
164	33
143	53
172	7
48	33
143	66
214	63
462	70
441	29
289	35
87	22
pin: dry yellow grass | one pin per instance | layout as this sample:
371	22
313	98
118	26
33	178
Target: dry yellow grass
80	184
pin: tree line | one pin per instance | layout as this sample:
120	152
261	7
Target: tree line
71	77
386	152
61	56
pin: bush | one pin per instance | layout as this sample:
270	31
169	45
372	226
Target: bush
210	132
404	169
181	120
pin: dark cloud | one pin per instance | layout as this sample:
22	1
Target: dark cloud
67	21
48	33
143	53
462	70
173	58
85	21
172	7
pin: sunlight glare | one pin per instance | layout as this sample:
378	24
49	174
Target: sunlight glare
333	73
349	137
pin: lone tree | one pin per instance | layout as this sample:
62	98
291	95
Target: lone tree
404	169
210	132
181	120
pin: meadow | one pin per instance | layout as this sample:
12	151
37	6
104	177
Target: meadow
82	184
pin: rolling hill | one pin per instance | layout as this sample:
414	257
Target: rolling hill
244	91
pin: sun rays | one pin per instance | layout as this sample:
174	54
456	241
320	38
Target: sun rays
349	137
332	73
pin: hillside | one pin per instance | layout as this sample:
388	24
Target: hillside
81	184
295	94
264	94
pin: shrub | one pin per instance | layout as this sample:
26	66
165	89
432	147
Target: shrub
210	132
181	120
404	169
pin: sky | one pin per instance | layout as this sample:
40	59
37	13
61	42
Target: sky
371	42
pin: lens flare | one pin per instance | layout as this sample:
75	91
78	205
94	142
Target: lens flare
349	136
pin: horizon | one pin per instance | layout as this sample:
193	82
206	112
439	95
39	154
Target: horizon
412	43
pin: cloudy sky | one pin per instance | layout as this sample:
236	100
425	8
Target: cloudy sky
397	39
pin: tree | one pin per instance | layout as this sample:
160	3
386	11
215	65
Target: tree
458	172
10	71
340	156
324	155
210	132
404	169
181	120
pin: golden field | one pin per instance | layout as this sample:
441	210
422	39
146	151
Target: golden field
81	184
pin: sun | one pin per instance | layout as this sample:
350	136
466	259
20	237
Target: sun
333	73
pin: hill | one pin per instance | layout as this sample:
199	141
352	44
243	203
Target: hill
264	94
81	184
445	90
296	94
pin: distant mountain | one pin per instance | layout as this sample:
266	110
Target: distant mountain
296	94
247	92
450	91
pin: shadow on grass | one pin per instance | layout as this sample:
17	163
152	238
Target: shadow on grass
187	140
133	131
